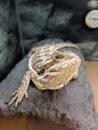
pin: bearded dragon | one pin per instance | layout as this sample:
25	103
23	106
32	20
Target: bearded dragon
48	69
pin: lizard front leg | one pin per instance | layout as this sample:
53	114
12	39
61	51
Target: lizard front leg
22	90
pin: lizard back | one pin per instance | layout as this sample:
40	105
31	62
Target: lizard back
41	59
46	56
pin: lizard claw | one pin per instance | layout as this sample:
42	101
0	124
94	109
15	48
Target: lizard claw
14	93
18	96
21	91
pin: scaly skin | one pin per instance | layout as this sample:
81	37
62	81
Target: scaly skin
49	69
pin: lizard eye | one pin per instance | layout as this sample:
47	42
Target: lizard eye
57	57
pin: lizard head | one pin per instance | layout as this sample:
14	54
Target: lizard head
59	73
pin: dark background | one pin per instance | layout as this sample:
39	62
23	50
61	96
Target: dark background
26	22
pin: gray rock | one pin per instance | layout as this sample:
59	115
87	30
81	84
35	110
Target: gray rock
72	106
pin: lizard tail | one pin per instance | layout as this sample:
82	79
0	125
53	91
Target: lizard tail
66	45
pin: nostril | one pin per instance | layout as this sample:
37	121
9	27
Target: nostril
41	71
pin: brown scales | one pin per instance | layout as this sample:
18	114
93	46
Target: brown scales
49	69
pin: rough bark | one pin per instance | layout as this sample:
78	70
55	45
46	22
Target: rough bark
72	106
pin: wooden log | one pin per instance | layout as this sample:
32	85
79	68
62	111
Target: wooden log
71	107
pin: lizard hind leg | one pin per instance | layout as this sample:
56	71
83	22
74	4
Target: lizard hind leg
21	91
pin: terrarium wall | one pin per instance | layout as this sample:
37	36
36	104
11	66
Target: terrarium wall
25	22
